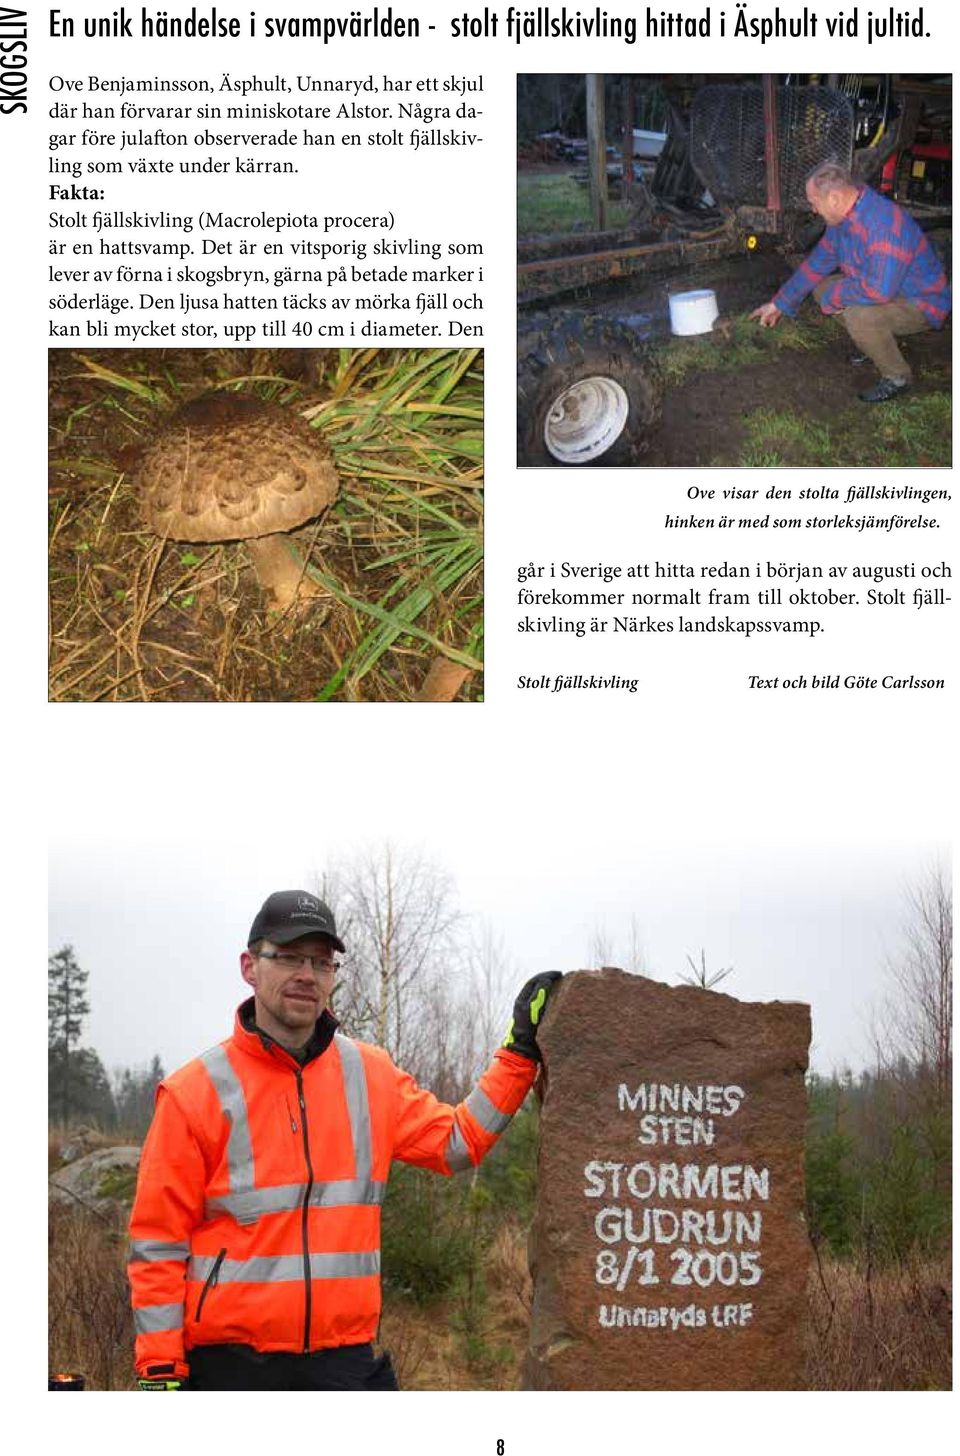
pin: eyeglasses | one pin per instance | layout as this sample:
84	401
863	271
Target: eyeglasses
292	962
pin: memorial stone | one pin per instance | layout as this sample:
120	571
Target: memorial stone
668	1249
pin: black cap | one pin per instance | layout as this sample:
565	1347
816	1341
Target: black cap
288	915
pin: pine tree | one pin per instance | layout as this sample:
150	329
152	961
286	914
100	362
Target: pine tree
67	1005
134	1091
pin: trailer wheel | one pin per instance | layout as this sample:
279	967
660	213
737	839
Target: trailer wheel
589	393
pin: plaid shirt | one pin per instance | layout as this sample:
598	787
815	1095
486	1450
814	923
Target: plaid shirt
881	254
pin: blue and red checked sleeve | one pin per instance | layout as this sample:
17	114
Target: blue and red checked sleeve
878	254
432	1134
821	262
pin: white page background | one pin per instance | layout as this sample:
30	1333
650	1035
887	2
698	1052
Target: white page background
532	796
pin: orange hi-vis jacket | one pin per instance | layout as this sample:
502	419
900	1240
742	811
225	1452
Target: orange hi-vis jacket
257	1215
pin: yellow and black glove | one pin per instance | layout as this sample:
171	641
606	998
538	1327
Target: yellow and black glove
527	1010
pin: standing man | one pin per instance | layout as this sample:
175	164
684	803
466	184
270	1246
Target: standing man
255	1233
890	281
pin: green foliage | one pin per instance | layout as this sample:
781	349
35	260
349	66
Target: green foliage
905	1209
67	1002
426	1239
833	1192
551	203
510	1171
742	344
913	431
936	1130
67	1005
469	1318
134	1090
878	1167
435	550
437	1231
78	1087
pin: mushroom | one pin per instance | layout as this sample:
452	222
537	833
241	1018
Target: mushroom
228	467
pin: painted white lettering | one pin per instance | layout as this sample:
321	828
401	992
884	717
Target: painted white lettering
594	1170
595	1179
645	1172
719	1101
756	1182
666	1226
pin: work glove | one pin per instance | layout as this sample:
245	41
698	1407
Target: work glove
527	1010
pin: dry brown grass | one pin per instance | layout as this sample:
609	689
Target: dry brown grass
133	618
431	1348
88	1135
864	1331
887	1330
422	1346
89	1319
56	1137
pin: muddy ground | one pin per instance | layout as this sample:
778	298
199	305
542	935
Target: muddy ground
704	419
703	416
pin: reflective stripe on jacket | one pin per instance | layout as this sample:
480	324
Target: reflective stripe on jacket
257	1215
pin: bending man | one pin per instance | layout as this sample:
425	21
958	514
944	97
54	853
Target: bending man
890	281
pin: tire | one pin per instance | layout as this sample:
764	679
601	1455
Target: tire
589	393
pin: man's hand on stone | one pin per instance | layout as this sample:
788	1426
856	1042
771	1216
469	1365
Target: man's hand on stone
527	1011
767	315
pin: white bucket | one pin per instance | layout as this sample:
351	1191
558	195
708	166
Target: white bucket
693	313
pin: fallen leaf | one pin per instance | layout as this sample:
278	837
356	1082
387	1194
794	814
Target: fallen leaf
442	682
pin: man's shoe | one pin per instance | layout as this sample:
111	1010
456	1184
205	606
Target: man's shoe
857	359
883	390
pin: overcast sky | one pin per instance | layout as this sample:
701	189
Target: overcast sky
159	919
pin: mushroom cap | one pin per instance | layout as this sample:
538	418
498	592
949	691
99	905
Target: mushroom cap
226	467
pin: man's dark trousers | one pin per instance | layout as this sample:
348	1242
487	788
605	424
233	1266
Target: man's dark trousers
238	1367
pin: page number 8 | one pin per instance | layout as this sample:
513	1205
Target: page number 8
500	1447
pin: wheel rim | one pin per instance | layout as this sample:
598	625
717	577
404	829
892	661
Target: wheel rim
585	420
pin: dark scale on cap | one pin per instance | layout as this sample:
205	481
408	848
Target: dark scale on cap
226	466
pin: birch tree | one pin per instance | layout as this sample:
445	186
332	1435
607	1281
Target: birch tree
396	913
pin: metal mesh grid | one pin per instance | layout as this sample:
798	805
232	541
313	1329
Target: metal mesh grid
726	140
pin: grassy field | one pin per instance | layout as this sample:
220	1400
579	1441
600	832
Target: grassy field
551	202
754	397
735	345
912	431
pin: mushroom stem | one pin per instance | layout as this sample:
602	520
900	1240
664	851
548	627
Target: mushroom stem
280	569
